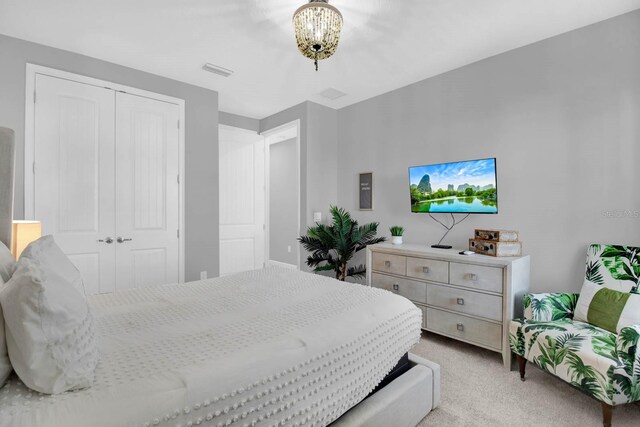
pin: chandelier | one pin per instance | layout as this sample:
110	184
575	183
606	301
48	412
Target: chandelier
317	25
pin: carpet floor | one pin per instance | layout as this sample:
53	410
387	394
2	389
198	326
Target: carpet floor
478	391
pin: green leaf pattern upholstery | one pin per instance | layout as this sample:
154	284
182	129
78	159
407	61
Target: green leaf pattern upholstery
602	364
614	266
547	307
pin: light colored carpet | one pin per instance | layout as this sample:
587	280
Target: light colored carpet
478	391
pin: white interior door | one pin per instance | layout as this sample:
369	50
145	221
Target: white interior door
147	191
242	193
74	174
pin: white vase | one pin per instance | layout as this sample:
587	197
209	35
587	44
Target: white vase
396	240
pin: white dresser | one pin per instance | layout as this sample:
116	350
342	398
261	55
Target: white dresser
467	297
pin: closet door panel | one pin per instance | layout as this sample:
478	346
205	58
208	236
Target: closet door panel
74	174
147	191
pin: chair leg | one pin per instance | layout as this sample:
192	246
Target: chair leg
522	364
607	413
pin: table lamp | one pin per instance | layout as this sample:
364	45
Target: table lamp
23	233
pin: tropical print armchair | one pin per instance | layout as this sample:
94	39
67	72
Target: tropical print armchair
602	364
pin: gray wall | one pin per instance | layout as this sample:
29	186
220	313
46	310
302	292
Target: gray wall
283	202
238	121
562	118
322	160
201	150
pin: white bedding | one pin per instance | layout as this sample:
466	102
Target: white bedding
267	347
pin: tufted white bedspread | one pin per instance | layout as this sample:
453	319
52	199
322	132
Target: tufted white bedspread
269	347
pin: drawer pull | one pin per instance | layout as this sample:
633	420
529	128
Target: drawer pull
425	270
460	301
472	276
396	287
460	327
387	264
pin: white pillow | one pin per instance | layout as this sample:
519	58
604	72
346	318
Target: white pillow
51	259
7	263
5	363
49	328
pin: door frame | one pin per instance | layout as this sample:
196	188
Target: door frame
32	70
267	134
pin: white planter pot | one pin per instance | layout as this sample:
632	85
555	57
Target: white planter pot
396	240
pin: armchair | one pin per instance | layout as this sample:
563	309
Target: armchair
602	364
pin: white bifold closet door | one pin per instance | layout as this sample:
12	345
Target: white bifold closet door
74	174
147	191
106	182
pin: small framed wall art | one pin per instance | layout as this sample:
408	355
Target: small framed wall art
365	191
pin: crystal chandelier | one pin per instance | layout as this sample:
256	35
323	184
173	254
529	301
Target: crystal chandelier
317	25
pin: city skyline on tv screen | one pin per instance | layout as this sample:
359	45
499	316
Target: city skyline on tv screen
457	187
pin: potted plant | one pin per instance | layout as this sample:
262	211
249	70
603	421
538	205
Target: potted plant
332	246
396	234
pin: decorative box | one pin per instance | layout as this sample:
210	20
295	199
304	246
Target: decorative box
496	235
490	248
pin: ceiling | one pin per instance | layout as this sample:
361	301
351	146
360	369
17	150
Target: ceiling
385	44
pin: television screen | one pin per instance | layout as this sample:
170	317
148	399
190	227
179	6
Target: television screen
459	187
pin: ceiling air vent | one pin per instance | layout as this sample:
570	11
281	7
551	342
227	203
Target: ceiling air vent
217	70
332	94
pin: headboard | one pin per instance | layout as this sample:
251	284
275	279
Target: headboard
7	163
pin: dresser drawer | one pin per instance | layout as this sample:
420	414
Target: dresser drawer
395	264
466	328
468	302
415	291
428	269
476	276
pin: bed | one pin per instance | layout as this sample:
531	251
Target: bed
265	347
270	347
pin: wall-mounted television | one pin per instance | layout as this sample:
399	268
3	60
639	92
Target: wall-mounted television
457	187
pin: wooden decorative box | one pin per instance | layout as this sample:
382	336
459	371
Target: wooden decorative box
485	247
496	235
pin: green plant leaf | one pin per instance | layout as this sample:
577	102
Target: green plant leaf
396	230
332	246
593	272
517	342
326	267
618	268
605	346
549	326
358	271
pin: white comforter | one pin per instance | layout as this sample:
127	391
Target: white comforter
267	347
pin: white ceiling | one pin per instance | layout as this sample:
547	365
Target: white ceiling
385	44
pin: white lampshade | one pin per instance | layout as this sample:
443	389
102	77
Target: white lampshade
23	233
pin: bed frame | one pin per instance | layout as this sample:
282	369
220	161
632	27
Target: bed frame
402	403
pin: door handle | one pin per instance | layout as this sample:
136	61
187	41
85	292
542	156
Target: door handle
387	264
460	327
396	287
108	240
460	301
121	240
425	270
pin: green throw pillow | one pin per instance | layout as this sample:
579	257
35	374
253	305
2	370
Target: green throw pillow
607	308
